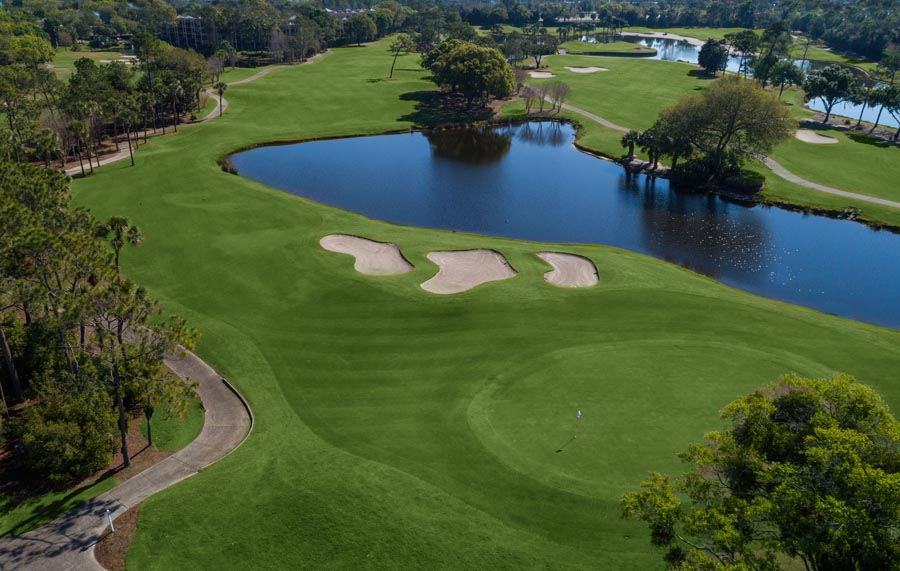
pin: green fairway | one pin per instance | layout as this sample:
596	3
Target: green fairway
623	48
397	429
64	60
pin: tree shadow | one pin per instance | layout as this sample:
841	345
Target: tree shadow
702	74
869	140
434	109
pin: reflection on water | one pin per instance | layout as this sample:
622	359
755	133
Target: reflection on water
534	185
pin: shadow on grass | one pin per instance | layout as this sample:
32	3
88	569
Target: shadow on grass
435	109
869	140
702	74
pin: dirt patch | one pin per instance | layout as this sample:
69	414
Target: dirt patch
569	270
809	136
463	270
372	258
112	548
541	74
586	69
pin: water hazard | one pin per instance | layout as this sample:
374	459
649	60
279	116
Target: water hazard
670	49
529	182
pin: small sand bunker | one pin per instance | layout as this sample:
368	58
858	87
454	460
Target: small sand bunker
569	270
461	271
809	136
586	69
541	74
372	258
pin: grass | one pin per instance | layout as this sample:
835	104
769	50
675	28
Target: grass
23	517
699	33
171	433
64	60
239	73
397	429
624	48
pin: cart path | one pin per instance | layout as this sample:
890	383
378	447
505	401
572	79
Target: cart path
771	163
67	543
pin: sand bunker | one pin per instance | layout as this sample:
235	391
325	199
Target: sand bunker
569	270
808	136
461	271
586	69
372	258
541	74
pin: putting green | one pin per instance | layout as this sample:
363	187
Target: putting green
628	394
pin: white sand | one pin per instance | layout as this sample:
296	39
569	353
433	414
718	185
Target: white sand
372	258
586	69
541	74
569	270
461	271
809	136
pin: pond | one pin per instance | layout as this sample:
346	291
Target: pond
669	49
528	181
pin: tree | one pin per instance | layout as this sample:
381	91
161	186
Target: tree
220	88
120	232
360	28
831	85
808	469
401	43
474	71
730	121
785	73
629	140
745	43
713	56
541	45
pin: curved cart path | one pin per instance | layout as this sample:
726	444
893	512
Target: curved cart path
67	543
771	163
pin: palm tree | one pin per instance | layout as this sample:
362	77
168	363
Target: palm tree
123	232
220	88
629	140
47	145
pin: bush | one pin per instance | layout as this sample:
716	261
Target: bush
66	437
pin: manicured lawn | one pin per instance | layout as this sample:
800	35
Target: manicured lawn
690	32
171	433
64	61
624	48
239	73
397	429
632	92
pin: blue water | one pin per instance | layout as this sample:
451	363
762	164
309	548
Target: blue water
668	49
530	182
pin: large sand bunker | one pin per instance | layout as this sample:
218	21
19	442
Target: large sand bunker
373	258
569	270
541	74
809	136
586	69
461	271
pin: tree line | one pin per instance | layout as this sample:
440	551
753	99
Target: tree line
82	346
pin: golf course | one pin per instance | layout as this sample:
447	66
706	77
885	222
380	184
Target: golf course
496	428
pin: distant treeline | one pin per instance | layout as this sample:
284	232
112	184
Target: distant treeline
866	27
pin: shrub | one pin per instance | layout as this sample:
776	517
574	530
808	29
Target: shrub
65	437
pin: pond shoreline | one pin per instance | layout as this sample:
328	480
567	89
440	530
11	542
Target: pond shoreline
849	214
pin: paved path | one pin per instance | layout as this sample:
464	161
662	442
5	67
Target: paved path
67	543
776	168
791	177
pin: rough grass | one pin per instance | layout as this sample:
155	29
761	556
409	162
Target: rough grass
171	433
19	518
397	429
